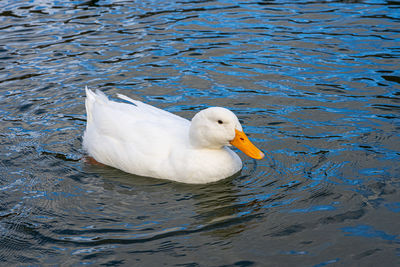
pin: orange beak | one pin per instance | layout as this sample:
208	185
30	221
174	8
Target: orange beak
242	142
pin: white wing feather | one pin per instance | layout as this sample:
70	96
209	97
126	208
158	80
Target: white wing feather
130	131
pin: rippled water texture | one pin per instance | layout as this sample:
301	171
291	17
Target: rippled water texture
315	84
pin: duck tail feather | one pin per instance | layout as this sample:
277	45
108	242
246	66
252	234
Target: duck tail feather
91	98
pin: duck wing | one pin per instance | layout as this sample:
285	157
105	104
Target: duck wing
153	110
132	130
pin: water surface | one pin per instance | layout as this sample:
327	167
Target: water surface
315	84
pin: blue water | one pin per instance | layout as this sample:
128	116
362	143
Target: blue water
315	84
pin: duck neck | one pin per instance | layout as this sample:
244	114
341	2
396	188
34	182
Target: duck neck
199	138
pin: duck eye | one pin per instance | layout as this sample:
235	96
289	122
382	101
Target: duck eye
220	122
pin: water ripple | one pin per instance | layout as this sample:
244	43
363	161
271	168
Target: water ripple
316	86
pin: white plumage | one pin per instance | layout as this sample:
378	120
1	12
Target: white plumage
147	141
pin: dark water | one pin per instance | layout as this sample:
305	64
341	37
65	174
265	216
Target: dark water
316	85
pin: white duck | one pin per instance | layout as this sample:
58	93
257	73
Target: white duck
144	140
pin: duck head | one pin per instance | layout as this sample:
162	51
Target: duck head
217	127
